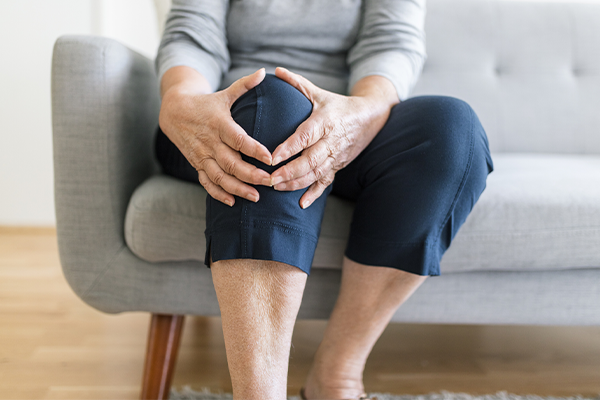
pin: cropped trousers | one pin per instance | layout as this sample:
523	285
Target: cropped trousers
413	186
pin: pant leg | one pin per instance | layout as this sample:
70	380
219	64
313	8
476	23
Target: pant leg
415	184
275	228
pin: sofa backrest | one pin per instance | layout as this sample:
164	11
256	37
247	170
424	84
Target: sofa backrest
530	69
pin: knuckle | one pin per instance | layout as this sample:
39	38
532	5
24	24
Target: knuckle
332	161
333	155
287	172
296	184
238	141
347	140
201	162
330	149
329	128
192	152
204	181
304	138
313	160
197	150
197	163
319	172
230	165
218	178
327	179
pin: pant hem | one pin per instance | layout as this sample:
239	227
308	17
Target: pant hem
416	258
261	241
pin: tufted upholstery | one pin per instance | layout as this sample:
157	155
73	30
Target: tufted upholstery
530	70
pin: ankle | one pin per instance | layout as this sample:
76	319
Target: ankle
336	365
333	384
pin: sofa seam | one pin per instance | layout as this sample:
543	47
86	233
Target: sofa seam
104	271
157	211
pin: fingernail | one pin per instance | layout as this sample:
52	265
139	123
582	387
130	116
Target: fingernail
253	198
266	181
276	180
281	186
229	203
266	160
305	204
278	159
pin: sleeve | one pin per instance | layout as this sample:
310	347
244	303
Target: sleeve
195	36
390	43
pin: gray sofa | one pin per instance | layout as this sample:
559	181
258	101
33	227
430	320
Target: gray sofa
131	238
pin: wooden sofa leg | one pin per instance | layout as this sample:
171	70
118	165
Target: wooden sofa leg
161	355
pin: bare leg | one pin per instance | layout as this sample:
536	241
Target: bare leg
368	298
259	302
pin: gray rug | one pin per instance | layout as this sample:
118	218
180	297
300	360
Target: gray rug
188	394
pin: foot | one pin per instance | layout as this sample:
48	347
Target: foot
332	388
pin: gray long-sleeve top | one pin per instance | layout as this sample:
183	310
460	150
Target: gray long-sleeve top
334	43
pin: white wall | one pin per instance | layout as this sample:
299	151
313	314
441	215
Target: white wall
28	29
133	22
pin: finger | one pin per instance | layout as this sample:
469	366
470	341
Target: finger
308	179
307	134
229	183
316	190
232	163
298	81
235	137
242	85
310	159
216	192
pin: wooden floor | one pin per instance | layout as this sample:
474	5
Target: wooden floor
53	346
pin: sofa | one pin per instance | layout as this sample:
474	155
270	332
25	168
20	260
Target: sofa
132	239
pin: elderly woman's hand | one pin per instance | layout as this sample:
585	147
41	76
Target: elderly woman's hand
337	131
200	125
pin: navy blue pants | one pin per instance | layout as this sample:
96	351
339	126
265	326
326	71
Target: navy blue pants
414	185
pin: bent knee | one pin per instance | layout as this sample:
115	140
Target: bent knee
452	139
453	130
272	111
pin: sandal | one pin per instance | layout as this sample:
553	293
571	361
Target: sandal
361	397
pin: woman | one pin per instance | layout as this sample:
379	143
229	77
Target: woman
269	149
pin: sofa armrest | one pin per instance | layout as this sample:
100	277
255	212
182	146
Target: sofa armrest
105	104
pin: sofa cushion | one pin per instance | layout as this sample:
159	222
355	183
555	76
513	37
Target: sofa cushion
538	212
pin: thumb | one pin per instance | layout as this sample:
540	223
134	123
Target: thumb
299	82
243	85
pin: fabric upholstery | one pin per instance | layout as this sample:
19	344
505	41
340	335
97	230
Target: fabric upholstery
530	70
104	105
538	212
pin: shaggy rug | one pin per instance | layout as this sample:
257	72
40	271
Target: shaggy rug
188	394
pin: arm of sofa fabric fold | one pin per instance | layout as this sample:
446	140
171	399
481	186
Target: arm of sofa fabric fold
105	104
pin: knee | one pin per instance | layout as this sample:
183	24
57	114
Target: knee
456	138
272	111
